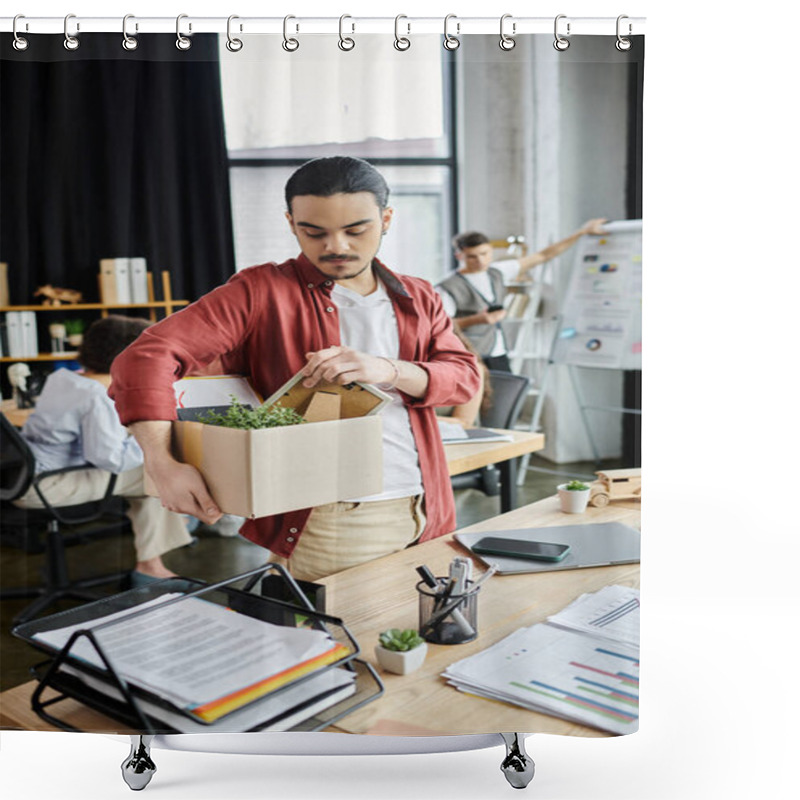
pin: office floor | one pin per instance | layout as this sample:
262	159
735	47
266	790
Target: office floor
211	558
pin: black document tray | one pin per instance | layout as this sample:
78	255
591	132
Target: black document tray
51	674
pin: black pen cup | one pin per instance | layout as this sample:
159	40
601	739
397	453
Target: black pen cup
447	620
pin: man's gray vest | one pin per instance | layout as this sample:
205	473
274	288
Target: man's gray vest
470	301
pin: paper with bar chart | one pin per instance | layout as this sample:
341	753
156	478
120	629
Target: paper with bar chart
566	673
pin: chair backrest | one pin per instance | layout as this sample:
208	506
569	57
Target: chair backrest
17	463
508	394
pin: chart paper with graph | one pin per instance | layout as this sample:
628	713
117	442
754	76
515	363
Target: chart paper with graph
567	673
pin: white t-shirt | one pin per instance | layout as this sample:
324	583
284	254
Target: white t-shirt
509	268
368	323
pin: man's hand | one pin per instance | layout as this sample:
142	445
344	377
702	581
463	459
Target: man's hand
180	486
181	489
594	227
344	365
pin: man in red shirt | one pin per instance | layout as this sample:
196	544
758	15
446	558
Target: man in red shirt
340	315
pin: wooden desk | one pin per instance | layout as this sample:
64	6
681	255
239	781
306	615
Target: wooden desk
16	416
466	457
381	594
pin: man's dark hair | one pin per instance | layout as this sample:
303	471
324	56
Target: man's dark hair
469	239
106	338
324	177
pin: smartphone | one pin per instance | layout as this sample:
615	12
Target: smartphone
495	307
516	548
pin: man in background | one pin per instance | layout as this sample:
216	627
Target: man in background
474	294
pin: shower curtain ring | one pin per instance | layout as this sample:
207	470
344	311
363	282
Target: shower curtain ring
451	42
507	42
182	42
560	43
289	44
622	44
234	45
20	42
346	42
71	42
401	42
129	42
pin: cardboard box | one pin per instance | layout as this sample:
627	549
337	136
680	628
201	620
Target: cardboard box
258	473
270	471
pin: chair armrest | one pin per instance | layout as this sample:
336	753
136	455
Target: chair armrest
103	502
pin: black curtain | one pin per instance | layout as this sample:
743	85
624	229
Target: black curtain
108	153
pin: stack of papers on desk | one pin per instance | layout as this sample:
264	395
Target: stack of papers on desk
203	660
581	665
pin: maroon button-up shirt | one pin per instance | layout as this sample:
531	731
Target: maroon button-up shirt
261	323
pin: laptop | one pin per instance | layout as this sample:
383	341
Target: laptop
599	544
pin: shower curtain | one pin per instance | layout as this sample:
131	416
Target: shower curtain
182	157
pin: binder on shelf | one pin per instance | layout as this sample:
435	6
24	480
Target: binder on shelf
21	333
115	281
90	667
4	294
108	281
138	280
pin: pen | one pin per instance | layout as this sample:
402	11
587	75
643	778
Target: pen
427	576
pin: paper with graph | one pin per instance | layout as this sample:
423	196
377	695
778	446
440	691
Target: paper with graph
569	673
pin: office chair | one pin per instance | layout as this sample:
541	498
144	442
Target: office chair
17	475
508	395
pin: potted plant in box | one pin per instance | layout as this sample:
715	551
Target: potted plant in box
401	651
574	496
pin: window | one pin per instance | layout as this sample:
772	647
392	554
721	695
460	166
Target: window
392	108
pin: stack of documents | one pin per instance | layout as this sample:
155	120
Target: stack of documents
204	663
581	665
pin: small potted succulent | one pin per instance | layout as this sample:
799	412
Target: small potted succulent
574	496
401	651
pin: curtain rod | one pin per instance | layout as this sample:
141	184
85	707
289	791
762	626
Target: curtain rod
453	25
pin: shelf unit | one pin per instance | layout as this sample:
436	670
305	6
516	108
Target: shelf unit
168	305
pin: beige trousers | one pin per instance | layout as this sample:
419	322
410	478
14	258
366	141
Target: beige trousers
155	530
341	535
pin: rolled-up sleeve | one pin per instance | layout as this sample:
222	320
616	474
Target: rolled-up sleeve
183	343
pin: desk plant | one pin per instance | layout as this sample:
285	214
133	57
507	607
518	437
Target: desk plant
401	651
238	415
574	497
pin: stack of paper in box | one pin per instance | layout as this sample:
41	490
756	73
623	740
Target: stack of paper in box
208	664
582	664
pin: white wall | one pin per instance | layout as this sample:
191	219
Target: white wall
543	148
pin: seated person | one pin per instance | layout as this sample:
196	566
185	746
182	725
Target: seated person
75	423
474	294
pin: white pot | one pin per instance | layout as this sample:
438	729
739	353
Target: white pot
573	501
401	663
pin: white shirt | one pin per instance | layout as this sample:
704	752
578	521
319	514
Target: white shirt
368	323
75	423
509	268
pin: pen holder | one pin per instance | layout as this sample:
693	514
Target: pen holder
447	620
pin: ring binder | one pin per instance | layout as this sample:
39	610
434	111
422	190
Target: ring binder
20	42
71	42
289	44
233	45
401	43
560	43
507	42
346	43
182	42
128	42
451	42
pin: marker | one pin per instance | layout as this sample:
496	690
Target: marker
427	576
